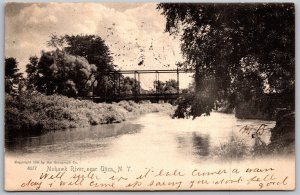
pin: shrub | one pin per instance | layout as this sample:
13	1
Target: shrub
30	112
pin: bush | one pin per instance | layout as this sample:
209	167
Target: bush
283	134
40	112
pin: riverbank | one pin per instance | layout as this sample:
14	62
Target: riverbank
283	134
38	113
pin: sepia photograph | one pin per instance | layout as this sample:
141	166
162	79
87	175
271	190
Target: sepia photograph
149	96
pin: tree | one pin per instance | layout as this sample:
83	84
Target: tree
62	73
92	48
129	86
57	42
11	68
169	86
12	77
32	72
159	86
220	40
95	51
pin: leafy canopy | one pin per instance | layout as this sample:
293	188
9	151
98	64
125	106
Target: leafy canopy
227	43
62	73
12	75
77	67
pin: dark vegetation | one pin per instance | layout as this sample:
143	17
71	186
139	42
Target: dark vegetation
243	56
35	113
12	76
239	52
283	134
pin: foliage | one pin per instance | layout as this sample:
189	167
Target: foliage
169	86
57	42
230	43
32	72
12	75
283	134
38	112
95	51
93	48
129	85
11	69
61	73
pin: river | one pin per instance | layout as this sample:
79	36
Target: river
147	139
151	152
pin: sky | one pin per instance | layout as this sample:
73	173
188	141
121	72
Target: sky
134	32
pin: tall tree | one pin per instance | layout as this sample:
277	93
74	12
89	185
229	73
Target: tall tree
12	75
223	42
62	73
11	68
94	49
32	72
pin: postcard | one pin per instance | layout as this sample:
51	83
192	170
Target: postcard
149	96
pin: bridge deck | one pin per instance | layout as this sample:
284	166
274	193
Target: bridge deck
138	97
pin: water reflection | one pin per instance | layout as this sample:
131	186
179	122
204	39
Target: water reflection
197	143
201	144
78	140
147	139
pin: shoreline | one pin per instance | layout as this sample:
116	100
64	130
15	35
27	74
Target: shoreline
38	113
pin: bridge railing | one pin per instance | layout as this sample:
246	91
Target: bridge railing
137	94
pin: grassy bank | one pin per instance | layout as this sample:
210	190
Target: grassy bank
39	112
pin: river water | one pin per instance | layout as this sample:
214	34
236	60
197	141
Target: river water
143	148
150	138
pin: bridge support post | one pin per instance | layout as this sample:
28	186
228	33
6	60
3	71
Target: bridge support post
115	85
119	89
177	81
135	86
92	91
139	84
157	82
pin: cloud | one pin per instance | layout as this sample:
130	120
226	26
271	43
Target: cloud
134	32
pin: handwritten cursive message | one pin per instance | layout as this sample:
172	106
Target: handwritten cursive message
73	176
